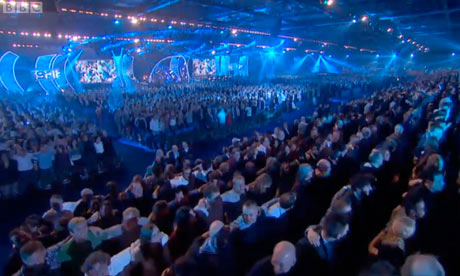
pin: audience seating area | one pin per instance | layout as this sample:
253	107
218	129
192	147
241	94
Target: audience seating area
369	189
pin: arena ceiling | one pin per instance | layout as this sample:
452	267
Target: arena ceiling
432	23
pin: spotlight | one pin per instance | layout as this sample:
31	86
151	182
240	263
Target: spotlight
412	55
234	31
389	30
364	18
136	40
221	32
213	52
170	27
295	39
354	20
284	51
394	55
378	55
329	2
347	56
453	54
134	21
138	50
116	21
330	56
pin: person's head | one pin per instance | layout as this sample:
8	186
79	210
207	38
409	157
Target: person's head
32	223
323	168
184	145
96	264
56	202
239	184
160	209
376	158
130	218
106	208
287	200
263	182
362	184
403	227
399	130
305	173
224	167
420	264
250	212
33	253
334	227
414	204
434	162
183	218
175	148
283	257
86	194
78	229
112	186
435	182
341	206
211	192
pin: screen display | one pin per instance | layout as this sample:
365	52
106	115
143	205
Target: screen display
204	67
96	71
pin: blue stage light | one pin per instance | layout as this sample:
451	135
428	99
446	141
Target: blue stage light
169	27
116	21
347	56
412	55
453	54
377	55
213	52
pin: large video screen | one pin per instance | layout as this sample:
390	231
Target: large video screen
96	71
204	67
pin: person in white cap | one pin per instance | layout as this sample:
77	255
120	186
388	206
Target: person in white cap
86	195
128	231
85	203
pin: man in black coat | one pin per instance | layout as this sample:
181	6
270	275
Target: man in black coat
323	259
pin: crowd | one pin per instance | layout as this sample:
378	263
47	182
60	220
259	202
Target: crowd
153	113
42	144
371	189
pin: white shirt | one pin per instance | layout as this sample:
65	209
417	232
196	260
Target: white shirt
155	125
99	147
24	162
